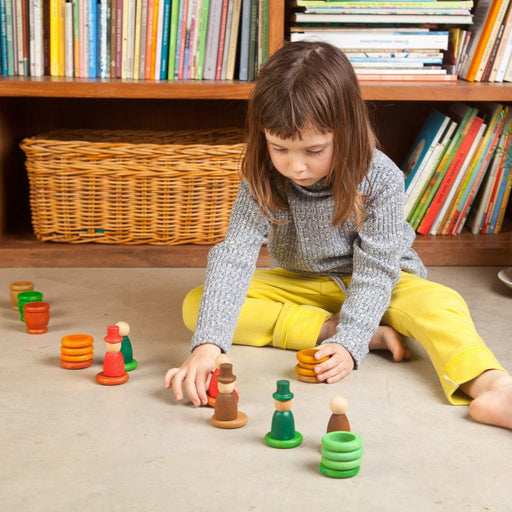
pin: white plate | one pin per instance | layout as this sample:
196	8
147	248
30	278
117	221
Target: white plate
505	276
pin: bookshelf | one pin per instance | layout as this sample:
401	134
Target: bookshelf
32	105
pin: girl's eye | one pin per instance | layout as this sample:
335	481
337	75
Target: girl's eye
314	151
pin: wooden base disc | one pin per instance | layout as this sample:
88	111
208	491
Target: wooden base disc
111	381
75	366
305	378
238	422
37	331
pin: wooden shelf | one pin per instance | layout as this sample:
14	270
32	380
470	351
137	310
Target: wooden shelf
57	87
465	249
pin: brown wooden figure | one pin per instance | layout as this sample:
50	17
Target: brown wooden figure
226	413
338	420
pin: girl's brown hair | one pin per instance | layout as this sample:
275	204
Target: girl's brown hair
309	85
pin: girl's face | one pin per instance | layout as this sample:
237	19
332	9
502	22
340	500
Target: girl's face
306	160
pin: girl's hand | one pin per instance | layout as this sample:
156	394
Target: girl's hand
194	371
339	364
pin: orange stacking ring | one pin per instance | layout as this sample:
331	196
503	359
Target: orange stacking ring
307	356
77	341
76	351
76	359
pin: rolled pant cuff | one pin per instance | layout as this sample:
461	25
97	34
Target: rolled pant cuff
298	327
463	368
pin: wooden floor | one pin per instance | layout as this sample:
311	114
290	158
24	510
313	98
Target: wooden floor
465	249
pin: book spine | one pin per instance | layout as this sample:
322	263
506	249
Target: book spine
166	27
104	67
92	55
173	39
68	38
222	39
143	37
230	71
136	41
3	40
201	45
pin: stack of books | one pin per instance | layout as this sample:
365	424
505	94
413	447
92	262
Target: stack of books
458	170
394	40
134	39
487	48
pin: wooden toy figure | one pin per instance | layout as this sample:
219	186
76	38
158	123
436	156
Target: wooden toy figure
338	420
226	414
283	433
113	365
126	347
213	388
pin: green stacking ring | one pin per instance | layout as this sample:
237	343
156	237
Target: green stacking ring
342	456
341	441
296	440
341	465
332	473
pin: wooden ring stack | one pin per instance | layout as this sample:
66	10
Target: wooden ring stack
342	454
76	351
306	366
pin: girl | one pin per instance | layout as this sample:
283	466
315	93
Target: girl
330	207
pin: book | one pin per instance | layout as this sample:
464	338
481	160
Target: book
496	115
245	21
494	33
443	216
92	39
222	39
434	19
422	148
137	39
448	4
477	216
507	185
201	44
68	39
212	39
428	169
253	40
158	39
484	18
406	77
36	38
500	51
173	39
449	174
377	39
166	32
463	115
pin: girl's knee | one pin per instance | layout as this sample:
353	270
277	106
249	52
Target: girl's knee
190	307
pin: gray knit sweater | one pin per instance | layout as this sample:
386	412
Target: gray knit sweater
374	256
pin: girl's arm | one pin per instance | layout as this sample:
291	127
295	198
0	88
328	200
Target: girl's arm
231	265
377	251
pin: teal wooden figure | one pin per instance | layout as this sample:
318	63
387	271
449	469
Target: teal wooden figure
283	433
126	347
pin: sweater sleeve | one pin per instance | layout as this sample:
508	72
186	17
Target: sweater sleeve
376	263
231	265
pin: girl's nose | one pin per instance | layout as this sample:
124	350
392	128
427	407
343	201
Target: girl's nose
297	163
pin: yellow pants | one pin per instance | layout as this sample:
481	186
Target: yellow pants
287	310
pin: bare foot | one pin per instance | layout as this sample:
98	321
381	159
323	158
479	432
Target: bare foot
493	398
386	338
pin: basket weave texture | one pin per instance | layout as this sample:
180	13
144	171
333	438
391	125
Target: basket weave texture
133	187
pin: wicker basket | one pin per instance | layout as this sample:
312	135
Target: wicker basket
133	187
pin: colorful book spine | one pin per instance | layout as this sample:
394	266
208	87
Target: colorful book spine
173	39
3	37
104	60
222	39
232	50
166	24
92	55
201	45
